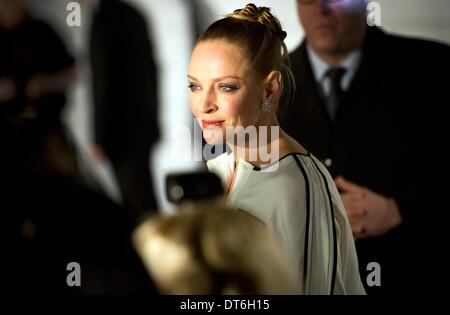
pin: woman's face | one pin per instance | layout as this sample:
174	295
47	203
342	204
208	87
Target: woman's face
225	92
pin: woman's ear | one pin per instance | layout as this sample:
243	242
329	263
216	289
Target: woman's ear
272	86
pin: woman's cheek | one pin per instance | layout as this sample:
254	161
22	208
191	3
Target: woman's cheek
232	109
191	102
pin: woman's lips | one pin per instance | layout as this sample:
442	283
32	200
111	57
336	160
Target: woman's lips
207	124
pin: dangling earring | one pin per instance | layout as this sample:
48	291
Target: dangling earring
267	106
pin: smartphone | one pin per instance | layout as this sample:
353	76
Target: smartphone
193	186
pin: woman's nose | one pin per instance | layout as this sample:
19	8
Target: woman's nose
208	104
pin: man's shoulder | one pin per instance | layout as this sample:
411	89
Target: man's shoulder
408	44
298	60
297	53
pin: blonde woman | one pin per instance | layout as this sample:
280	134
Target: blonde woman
238	75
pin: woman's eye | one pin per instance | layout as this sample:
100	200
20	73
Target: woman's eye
227	88
193	87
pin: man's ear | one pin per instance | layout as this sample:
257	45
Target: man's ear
272	86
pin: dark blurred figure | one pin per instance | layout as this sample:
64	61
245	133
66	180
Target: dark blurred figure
35	71
363	105
49	217
126	99
50	221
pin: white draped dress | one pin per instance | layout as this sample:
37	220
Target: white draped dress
298	201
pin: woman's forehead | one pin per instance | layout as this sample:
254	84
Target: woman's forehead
220	57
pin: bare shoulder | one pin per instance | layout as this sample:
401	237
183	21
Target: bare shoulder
289	145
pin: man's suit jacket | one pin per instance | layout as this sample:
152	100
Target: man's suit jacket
380	138
124	80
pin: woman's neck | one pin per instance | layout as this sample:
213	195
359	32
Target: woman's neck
274	145
258	145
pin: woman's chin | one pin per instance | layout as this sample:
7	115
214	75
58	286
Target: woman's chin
213	136
213	140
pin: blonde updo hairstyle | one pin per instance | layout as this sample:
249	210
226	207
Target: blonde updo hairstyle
259	35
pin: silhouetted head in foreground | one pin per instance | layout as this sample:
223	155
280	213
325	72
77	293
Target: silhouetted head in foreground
210	249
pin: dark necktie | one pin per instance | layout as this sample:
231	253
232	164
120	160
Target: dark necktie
334	96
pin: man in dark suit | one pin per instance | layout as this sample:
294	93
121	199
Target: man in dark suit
125	96
363	106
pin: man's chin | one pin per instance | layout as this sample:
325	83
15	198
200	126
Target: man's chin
325	43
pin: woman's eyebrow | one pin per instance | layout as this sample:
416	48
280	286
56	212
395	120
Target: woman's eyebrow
219	78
